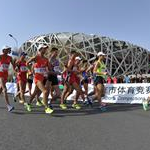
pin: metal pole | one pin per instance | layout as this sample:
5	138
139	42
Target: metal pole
15	52
14	39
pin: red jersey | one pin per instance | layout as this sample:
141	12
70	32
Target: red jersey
114	80
73	76
4	65
109	80
22	72
40	68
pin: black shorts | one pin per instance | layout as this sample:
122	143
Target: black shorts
44	81
53	79
84	81
30	81
98	80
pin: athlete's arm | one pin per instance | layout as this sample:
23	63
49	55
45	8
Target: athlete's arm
95	70
31	60
89	68
82	69
70	65
49	66
16	66
13	63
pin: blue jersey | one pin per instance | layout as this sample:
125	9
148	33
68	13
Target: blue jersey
84	75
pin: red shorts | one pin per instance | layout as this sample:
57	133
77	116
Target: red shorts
4	75
22	77
64	75
38	77
74	79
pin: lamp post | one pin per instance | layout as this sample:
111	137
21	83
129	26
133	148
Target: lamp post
16	41
15	52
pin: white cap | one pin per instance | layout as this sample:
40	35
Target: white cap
77	58
42	46
101	54
6	47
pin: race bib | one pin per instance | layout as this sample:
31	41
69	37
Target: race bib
5	67
57	69
40	70
23	69
74	68
1	69
103	70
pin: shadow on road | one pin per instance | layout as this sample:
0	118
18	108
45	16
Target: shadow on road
95	110
85	110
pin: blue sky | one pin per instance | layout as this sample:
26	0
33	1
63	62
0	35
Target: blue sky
127	20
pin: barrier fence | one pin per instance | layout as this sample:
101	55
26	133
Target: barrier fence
114	93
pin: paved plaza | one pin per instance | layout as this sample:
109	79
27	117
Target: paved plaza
122	127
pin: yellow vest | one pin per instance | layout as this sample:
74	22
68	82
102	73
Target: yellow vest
101	68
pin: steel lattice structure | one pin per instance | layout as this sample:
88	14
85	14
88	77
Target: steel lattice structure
122	57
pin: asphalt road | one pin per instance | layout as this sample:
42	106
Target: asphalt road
122	127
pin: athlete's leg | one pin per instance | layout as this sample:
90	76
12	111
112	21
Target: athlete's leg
29	87
17	94
99	92
3	85
22	87
63	96
65	90
85	85
79	92
57	92
1	90
33	95
38	93
44	91
146	103
70	90
52	92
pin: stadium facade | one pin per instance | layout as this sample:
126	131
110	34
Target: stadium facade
122	57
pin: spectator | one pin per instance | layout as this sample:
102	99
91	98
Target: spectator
136	79
114	80
140	79
120	79
109	80
131	79
145	80
126	79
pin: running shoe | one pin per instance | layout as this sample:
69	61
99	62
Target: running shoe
39	104
65	101
63	106
48	110
27	106
50	105
76	106
21	101
14	98
42	101
90	102
103	108
49	101
85	102
10	108
145	105
103	104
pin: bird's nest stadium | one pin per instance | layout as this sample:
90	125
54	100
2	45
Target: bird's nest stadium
122	57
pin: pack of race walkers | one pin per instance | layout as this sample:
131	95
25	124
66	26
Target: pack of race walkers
44	71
